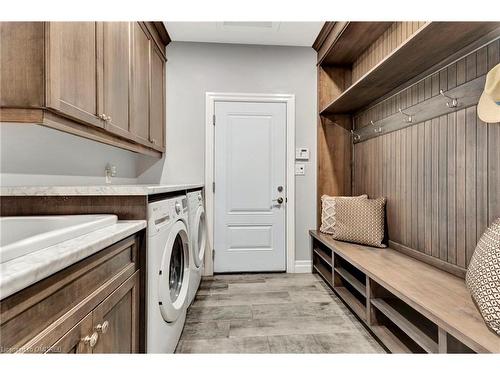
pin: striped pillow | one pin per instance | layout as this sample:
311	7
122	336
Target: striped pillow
328	211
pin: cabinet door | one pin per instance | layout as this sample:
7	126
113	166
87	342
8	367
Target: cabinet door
76	340
157	101
71	81
139	98
116	319
115	76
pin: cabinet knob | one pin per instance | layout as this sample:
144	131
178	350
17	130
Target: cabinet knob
91	340
103	327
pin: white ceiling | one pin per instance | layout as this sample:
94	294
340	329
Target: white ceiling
264	33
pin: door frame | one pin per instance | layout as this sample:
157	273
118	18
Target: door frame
289	99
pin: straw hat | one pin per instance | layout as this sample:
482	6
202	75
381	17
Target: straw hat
489	104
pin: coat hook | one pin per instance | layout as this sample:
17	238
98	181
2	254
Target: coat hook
371	122
378	130
454	101
355	136
409	118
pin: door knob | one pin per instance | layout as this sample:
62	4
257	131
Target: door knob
103	328
279	200
91	340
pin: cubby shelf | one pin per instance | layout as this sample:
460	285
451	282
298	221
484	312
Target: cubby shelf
428	46
351	301
414	332
355	283
323	255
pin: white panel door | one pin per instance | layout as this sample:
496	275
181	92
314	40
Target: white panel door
250	193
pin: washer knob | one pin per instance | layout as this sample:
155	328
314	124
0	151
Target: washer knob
178	208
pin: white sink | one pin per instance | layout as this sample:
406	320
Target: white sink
21	235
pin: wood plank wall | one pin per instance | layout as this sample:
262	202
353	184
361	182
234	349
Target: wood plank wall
441	176
392	38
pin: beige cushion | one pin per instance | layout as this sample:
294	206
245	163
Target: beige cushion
328	211
360	221
483	276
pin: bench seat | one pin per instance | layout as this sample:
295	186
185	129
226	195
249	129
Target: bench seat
439	296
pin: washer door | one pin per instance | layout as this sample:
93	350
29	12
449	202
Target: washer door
199	237
174	273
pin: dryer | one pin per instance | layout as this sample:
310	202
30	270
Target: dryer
168	273
198	240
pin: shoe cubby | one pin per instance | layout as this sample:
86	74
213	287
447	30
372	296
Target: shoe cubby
413	330
350	285
323	262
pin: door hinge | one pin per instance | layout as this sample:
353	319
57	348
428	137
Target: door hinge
213	254
213	187
213	120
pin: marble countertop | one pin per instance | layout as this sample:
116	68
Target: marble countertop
144	189
26	270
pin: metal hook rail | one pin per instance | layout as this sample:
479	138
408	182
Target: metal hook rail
409	118
453	103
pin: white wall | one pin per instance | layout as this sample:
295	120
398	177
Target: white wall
37	155
196	68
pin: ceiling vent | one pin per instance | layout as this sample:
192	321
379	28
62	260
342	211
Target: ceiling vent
264	25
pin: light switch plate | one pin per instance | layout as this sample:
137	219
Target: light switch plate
300	169
301	153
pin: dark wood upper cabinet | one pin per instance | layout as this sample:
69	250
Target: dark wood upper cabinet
115	47
71	79
139	96
157	100
101	80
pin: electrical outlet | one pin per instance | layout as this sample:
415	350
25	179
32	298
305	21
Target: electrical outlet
300	169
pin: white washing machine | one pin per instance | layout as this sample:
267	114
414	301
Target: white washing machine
198	240
168	273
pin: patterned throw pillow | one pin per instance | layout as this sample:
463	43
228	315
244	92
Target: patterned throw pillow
360	221
483	276
328	211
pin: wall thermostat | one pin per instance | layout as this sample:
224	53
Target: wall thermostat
302	153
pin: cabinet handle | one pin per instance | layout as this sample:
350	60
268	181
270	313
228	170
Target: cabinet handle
103	327
91	340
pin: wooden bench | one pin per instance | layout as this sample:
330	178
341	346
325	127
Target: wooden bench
409	305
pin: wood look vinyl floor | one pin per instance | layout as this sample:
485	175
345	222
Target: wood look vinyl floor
271	313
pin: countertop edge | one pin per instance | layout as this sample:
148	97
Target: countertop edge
104	190
27	270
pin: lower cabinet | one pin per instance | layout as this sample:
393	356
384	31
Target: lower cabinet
115	322
92	306
77	340
112	327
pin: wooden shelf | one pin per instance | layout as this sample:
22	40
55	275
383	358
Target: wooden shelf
431	44
323	255
351	301
356	284
324	273
414	332
390	340
354	38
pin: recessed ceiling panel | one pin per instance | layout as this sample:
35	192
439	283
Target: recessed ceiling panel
264	33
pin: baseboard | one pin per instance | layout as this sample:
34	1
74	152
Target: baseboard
303	266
